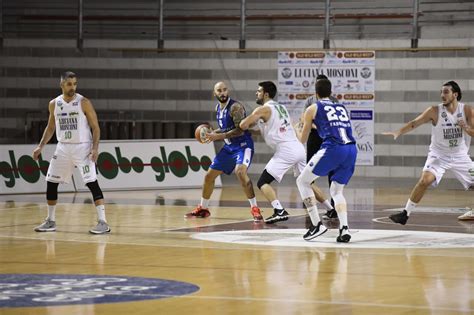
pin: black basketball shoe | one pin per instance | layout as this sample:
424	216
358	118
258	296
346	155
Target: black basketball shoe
277	216
315	231
330	214
400	217
344	236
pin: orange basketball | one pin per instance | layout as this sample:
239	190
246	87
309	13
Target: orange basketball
201	131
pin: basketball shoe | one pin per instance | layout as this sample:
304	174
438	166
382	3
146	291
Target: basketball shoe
198	212
257	216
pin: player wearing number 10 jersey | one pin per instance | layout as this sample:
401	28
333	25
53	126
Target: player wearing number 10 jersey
73	117
338	155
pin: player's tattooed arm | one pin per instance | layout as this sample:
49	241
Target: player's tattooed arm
237	113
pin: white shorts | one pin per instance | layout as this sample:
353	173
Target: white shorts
66	157
288	154
461	166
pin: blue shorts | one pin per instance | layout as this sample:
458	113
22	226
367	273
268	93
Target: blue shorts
226	161
339	159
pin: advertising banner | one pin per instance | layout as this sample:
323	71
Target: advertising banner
131	165
352	74
19	173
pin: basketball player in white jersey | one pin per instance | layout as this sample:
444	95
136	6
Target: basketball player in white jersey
451	130
73	117
276	128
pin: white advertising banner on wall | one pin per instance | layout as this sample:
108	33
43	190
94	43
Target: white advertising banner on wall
19	173
144	164
153	164
352	74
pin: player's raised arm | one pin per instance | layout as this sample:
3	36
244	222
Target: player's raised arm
430	114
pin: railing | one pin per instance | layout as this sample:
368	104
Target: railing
237	20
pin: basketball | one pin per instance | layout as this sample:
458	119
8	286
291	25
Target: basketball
201	131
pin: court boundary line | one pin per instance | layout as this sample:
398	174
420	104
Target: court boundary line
286	300
378	220
199	245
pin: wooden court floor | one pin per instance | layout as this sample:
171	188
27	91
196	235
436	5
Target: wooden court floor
151	239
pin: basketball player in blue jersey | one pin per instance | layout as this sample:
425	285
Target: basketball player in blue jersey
338	155
313	145
236	154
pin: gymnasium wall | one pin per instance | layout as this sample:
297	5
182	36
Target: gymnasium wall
147	88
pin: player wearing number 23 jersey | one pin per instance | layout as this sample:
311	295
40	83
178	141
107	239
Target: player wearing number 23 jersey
337	155
338	151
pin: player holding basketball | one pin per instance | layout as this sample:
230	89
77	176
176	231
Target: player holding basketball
236	154
72	116
277	130
338	155
452	125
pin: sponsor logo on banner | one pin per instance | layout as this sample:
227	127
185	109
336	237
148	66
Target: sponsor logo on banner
361	115
310	55
359	54
120	165
22	167
176	162
303	96
358	96
365	72
286	73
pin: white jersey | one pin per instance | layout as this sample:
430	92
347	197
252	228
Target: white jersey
278	128
447	138
71	122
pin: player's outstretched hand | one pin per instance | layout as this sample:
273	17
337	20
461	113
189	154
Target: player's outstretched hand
394	134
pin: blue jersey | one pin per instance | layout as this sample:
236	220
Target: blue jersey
333	123
226	124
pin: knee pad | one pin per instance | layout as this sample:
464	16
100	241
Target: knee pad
51	190
95	190
265	178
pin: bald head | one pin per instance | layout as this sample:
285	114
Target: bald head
221	92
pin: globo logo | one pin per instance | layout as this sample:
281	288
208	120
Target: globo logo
109	165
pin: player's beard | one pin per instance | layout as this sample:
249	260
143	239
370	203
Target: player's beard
447	103
223	98
70	93
259	101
